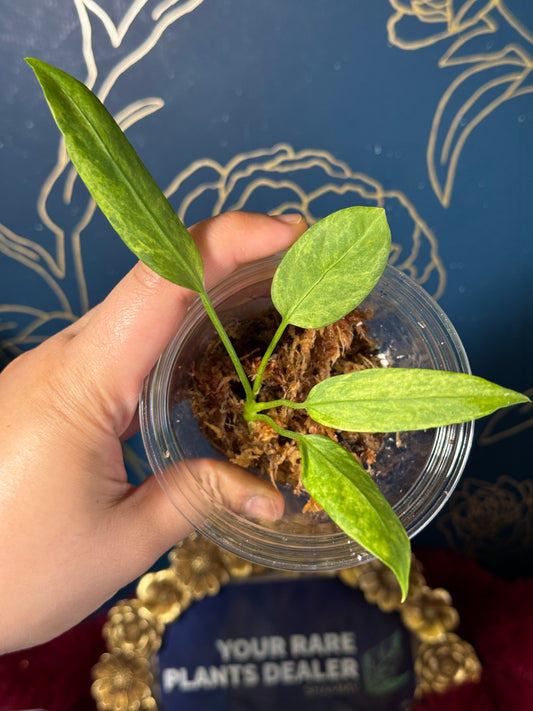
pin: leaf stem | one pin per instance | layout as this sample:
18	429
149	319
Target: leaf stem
266	357
271	404
284	433
227	344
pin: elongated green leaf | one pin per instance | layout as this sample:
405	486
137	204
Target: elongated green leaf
118	180
343	488
396	399
332	267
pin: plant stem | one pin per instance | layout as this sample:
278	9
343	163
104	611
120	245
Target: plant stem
266	357
256	407
284	433
227	344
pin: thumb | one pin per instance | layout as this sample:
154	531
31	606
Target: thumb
154	518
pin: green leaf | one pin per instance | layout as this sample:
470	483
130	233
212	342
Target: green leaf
118	180
401	399
332	267
336	480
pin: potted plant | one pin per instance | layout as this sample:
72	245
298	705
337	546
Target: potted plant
415	470
324	276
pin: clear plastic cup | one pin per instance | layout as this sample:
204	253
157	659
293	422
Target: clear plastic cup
417	477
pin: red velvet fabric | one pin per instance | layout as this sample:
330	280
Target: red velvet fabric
496	617
55	676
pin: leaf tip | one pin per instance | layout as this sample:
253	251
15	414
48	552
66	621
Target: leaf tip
39	67
403	573
519	398
405	591
34	63
513	397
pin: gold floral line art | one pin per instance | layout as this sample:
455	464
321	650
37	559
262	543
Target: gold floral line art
163	15
125	677
280	177
494	70
489	520
29	334
58	260
272	179
50	264
301	180
500	426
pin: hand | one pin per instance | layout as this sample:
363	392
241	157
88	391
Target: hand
73	531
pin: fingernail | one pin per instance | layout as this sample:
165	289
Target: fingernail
291	218
261	507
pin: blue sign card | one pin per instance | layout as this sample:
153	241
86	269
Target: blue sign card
304	643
